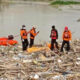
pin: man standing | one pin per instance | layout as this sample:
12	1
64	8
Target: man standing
54	36
33	33
24	39
66	39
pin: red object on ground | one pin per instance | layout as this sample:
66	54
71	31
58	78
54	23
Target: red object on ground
5	41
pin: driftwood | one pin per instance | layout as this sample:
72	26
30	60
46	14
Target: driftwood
43	65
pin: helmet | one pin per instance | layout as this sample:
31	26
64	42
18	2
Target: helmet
66	28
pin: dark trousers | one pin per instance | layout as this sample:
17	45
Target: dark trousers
68	45
53	41
31	42
24	44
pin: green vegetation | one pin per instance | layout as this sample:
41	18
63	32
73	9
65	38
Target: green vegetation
59	2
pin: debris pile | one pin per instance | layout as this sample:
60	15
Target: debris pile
43	64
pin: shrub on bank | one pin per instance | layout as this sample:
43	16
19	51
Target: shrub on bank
60	2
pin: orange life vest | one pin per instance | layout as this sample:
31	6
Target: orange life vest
23	33
33	34
67	35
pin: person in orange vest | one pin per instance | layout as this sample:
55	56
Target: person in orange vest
66	39
24	38
33	33
54	36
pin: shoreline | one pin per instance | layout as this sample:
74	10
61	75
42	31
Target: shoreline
44	3
27	2
53	3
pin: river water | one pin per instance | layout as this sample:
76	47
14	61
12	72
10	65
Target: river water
43	16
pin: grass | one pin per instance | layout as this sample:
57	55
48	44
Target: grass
59	2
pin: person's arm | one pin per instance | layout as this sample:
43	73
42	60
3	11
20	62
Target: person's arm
21	33
37	32
70	35
63	36
50	33
34	34
57	34
28	32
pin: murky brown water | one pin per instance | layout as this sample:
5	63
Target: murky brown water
13	16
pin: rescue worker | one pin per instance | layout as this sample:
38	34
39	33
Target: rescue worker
24	39
66	39
33	33
54	36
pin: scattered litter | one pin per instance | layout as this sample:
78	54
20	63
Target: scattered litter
59	61
41	64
